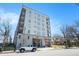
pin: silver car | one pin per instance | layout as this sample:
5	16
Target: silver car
24	49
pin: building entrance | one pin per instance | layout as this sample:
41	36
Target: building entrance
36	42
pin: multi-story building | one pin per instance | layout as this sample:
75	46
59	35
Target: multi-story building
33	29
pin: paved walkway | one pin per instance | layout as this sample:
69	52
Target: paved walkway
47	48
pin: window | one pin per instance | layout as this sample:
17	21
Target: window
38	23
35	17
29	21
35	21
47	19
34	31
29	26
29	12
23	11
20	28
47	23
43	25
28	37
22	17
20	45
43	33
19	36
34	26
38	15
28	31
38	19
28	45
48	34
42	20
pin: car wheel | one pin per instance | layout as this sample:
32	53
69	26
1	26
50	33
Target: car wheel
33	50
22	50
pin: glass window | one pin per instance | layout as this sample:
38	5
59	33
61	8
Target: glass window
34	31
38	19
22	17
28	31
43	25
35	21
29	12
19	36
28	45
35	17
47	19
28	37
34	26
42	20
29	26
47	23
29	21
38	15
43	33
38	23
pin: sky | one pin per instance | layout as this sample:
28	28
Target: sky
59	13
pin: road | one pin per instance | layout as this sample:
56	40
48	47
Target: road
47	52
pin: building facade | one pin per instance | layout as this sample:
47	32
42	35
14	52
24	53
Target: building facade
33	29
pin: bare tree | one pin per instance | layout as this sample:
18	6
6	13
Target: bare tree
63	30
5	31
58	39
77	33
69	33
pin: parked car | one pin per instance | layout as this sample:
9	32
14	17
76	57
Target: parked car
24	49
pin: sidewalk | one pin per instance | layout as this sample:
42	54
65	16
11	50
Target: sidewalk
52	48
6	52
46	48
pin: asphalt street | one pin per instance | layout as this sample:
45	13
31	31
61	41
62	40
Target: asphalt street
47	52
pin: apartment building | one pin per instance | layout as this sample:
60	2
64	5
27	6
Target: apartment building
33	29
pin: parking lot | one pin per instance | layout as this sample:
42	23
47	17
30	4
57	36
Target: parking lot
46	52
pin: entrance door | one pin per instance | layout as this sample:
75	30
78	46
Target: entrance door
36	42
